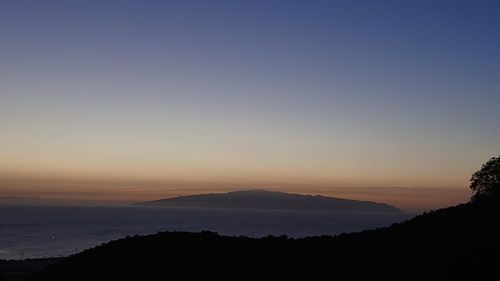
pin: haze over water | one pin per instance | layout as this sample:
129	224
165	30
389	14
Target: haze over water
44	231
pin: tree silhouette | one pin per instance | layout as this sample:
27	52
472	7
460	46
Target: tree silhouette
486	181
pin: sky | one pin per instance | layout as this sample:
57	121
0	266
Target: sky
395	101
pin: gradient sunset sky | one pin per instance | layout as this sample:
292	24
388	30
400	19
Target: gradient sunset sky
393	101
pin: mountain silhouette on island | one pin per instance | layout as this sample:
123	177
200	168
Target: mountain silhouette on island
262	199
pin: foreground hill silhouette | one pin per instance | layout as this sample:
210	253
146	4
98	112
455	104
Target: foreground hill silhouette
456	243
261	199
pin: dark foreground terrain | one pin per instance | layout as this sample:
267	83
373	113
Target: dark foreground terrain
457	243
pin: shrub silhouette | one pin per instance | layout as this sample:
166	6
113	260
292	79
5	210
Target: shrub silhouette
486	181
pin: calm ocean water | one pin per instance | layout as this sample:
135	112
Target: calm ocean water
30	232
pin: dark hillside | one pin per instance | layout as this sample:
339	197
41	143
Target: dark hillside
457	243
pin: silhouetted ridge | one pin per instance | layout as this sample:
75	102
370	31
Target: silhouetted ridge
457	243
261	199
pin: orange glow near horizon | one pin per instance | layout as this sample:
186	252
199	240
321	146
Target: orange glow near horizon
404	197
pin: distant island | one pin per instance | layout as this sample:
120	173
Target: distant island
262	199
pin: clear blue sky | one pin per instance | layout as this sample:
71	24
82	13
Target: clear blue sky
254	93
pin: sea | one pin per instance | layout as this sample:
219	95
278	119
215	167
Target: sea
56	231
